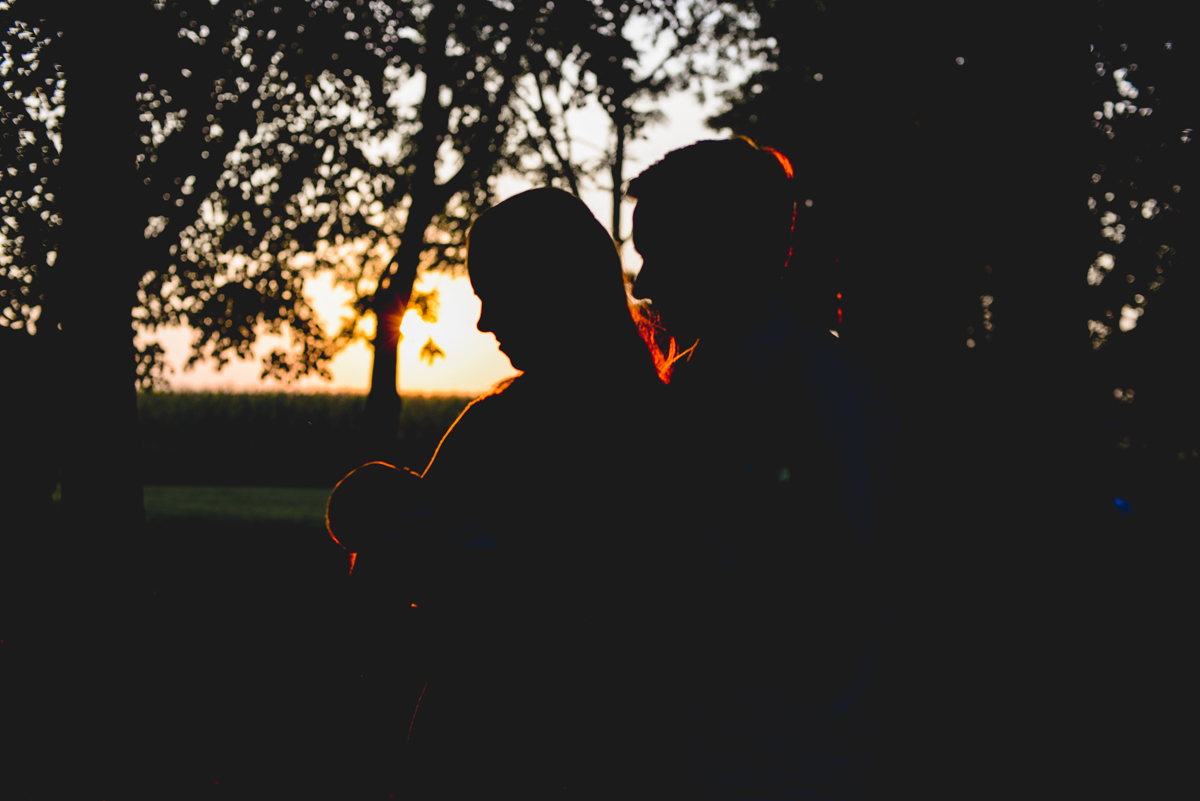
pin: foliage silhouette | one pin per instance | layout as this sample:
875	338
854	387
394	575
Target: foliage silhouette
818	59
273	146
1140	281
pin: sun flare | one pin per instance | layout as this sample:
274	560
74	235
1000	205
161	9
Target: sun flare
412	325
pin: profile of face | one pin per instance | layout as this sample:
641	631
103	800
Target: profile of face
548	278
705	212
517	334
679	252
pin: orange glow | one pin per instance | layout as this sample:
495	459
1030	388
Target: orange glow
790	173
414	606
415	708
839	316
839	296
353	557
391	326
783	160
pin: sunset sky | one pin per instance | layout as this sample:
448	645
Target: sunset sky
473	363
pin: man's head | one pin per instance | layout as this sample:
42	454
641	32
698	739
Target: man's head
707	215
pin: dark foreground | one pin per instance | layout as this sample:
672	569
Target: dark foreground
243	688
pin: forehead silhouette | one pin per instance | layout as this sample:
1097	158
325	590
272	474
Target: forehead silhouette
514	244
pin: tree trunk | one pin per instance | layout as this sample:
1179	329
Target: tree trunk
995	441
95	372
383	399
1046	512
427	199
389	304
395	288
96	581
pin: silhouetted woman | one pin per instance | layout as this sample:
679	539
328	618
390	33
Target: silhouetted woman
552	292
526	698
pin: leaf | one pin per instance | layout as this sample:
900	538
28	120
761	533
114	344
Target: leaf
430	351
426	304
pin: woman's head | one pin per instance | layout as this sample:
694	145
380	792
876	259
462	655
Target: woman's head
549	278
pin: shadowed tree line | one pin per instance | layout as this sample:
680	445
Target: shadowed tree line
926	156
993	212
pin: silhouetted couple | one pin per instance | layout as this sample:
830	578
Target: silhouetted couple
655	576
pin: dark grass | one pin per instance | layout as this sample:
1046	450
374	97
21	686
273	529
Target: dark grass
241	681
301	507
279	439
255	626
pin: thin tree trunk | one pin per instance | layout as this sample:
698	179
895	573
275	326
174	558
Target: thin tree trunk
618	171
543	117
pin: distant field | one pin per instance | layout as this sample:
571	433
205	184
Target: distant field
301	506
279	439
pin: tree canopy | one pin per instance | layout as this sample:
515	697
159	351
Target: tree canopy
821	84
1141	283
279	140
30	113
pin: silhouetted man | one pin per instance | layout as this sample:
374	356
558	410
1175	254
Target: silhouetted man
777	485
